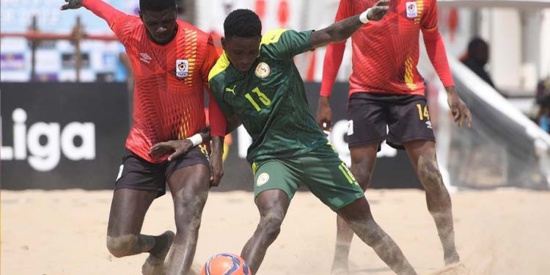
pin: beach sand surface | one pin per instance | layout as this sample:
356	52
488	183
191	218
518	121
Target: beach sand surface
500	232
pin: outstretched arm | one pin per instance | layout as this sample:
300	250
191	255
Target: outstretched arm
343	29
98	7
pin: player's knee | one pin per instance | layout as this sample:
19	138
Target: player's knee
429	175
271	225
188	213
362	175
122	246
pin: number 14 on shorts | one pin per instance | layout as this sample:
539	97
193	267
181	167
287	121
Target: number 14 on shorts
423	113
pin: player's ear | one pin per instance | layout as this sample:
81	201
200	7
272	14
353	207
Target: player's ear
223	42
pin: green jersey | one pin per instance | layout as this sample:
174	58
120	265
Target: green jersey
270	98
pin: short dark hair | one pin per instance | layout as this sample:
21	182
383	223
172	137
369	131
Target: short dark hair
157	5
475	42
242	23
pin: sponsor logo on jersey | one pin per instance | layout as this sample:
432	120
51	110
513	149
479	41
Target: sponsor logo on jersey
412	11
120	168
262	179
145	58
350	127
429	124
262	70
231	90
182	68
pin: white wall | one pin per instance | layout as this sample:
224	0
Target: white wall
545	44
505	42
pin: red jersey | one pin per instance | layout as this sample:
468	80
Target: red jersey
385	53
169	81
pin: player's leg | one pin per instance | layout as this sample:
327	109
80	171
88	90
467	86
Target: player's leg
134	192
411	128
274	185
126	217
189	182
423	158
363	160
358	216
367	129
272	206
330	180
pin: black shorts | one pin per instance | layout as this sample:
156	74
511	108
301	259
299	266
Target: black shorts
138	174
397	119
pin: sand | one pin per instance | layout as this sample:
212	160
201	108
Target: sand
497	232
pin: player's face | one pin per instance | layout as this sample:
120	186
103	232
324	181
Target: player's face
482	53
242	51
160	25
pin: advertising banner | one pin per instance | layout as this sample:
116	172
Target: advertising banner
62	135
65	135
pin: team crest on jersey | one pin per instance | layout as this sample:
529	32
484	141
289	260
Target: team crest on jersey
262	179
262	70
182	68
412	10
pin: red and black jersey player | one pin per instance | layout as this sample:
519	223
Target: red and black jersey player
387	92
171	60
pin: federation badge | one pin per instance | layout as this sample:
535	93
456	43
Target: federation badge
182	68
262	179
262	70
412	11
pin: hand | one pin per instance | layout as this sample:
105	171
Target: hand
378	11
178	147
324	114
72	4
216	168
216	161
459	110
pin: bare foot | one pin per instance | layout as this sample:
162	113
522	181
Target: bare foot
339	268
154	264
195	269
452	258
453	269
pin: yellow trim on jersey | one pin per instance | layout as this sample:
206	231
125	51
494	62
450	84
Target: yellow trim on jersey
223	62
272	36
409	80
191	46
254	168
220	66
419	10
431	29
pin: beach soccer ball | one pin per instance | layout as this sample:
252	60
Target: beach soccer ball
225	264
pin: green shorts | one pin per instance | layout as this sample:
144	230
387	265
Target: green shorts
321	170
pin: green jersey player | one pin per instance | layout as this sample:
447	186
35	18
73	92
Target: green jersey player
256	83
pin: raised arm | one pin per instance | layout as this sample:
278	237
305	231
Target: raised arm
343	29
98	7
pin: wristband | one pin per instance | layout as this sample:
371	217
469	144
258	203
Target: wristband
364	17
195	139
